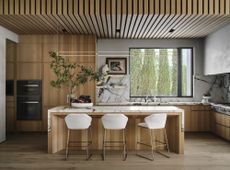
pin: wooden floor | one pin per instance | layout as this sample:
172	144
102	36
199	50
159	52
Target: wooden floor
28	151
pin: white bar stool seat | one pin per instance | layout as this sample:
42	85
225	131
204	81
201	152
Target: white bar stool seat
79	122
154	122
114	122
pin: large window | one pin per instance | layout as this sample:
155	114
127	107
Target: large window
161	72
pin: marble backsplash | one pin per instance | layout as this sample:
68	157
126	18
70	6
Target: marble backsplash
117	90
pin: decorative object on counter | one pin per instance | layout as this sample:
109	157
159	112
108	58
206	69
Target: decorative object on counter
117	65
69	74
206	97
82	101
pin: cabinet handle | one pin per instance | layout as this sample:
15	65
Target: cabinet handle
31	85
34	102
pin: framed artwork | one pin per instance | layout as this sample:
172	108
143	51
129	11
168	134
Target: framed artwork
117	65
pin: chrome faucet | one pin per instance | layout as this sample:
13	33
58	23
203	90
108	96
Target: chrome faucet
146	99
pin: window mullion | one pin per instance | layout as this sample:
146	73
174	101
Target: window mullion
179	73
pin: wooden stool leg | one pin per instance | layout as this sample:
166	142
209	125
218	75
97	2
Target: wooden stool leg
104	140
88	142
152	145
67	145
166	140
124	145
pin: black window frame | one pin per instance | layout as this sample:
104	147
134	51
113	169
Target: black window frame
179	72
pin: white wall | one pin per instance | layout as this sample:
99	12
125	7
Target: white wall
200	87
4	34
217	52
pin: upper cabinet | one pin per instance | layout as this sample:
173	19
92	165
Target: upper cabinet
217	52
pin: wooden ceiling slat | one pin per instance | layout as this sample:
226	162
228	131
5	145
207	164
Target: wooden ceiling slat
108	18
118	18
82	16
11	7
123	18
103	18
1	7
140	18
210	25
87	17
134	18
98	18
161	21
227	7
94	18
205	22
216	5
6	11
128	18
11	25
189	26
113	18
75	16
171	25
215	27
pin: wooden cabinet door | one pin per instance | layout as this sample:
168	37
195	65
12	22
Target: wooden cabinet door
29	71
187	118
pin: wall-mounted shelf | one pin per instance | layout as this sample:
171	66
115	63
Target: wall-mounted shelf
116	76
112	87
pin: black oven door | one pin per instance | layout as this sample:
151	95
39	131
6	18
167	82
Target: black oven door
28	87
29	108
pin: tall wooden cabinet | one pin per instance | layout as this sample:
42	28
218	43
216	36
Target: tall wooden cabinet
11	51
33	63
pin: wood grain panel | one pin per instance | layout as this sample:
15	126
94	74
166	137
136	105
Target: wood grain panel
33	62
27	71
57	137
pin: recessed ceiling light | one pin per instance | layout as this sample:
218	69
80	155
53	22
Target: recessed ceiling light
64	30
171	30
118	30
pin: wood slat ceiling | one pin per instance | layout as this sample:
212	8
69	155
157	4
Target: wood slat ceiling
116	18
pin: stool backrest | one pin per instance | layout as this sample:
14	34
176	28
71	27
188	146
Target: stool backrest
114	121
78	121
156	121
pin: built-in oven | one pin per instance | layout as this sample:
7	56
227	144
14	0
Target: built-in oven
28	87
29	100
29	108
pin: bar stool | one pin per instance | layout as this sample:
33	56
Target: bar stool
114	122
79	122
154	122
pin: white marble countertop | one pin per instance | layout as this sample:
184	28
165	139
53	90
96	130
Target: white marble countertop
117	109
149	103
222	108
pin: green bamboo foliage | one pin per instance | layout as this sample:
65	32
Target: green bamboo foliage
163	84
135	70
148	77
174	73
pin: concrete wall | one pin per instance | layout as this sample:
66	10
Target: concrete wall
4	34
217	52
117	45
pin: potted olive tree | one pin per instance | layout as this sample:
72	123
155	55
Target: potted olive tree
70	75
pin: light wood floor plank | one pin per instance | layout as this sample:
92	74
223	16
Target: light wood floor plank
29	151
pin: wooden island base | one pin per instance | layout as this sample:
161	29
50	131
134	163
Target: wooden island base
58	132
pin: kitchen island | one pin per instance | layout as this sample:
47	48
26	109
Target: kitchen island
57	129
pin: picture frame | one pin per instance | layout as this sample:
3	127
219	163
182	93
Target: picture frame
117	65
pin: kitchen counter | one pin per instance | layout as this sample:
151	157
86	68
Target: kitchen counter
175	124
222	108
150	103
